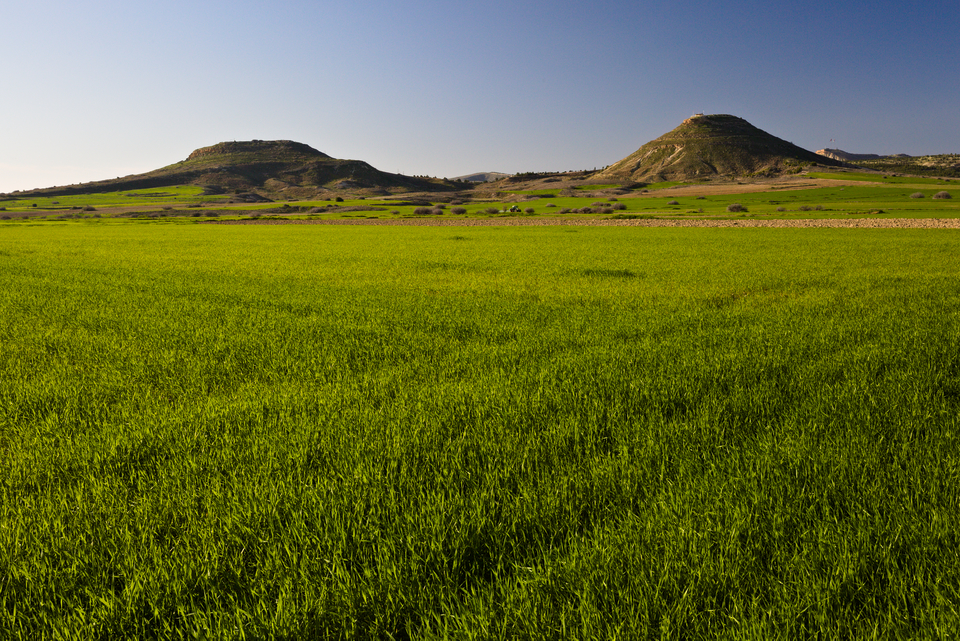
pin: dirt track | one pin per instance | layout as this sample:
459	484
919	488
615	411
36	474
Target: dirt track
863	223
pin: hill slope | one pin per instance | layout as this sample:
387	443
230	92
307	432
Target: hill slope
264	166
713	145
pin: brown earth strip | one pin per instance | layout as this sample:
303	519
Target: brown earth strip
862	223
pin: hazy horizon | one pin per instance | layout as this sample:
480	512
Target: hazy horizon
447	89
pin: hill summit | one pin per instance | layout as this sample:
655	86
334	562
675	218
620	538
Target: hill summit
257	149
712	145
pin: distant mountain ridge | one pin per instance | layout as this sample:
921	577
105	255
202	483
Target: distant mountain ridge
712	145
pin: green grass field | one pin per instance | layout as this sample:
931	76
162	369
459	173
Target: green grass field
416	432
157	196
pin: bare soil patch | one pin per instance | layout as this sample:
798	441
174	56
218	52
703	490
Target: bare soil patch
861	223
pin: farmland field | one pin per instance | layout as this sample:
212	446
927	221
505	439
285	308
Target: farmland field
478	432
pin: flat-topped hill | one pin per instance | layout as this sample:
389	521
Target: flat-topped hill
273	168
712	145
256	150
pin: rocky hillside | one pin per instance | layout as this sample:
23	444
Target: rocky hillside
844	156
709	146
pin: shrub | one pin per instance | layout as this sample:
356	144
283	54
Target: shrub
607	210
550	205
736	207
804	208
529	210
437	211
458	210
565	210
439	206
916	194
611	200
338	199
87	208
585	210
492	210
596	204
701	197
819	207
942	195
619	206
673	202
422	211
781	209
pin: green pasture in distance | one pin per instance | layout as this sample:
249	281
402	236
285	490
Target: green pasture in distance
158	196
483	432
596	187
835	201
889	180
892	200
535	192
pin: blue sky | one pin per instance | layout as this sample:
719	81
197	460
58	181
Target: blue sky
102	88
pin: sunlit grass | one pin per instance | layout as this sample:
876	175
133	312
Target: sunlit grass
314	432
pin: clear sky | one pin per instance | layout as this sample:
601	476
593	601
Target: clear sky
97	89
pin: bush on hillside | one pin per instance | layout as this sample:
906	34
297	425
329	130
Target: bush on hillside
736	208
916	194
458	210
943	195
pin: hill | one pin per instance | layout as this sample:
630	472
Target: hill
267	168
845	156
482	177
712	145
942	165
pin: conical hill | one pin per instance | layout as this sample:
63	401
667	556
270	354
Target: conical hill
712	145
